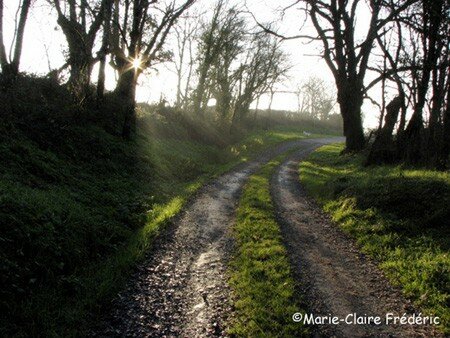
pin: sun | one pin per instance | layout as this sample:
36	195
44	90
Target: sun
137	62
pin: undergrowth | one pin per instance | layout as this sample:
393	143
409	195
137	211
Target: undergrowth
261	279
400	216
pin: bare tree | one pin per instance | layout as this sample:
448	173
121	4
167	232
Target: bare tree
432	17
80	21
419	63
445	144
316	99
383	149
185	34
10	65
265	63
104	51
209	47
139	34
231	38
347	57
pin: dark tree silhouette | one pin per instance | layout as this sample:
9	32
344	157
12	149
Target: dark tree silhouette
348	60
103	52
383	148
432	18
347	57
140	29
419	67
80	22
185	34
10	66
236	65
265	64
209	47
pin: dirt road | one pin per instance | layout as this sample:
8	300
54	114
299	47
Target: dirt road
181	290
334	276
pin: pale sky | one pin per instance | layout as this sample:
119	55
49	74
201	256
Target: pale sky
44	45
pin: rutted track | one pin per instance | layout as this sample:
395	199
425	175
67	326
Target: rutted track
334	276
181	289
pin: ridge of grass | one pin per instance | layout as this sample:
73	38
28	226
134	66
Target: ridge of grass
260	273
399	216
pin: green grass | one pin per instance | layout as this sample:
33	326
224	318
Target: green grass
263	287
79	208
400	216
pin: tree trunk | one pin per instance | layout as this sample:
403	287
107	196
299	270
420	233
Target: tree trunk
445	143
104	50
80	76
223	99
178	96
80	58
20	34
200	92
383	148
80	40
350	103
241	107
126	90
413	138
435	123
10	68
3	58
445	152
255	115
269	109
414	131
189	76
101	78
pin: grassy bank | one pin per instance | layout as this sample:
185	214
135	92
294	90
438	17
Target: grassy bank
399	216
79	208
260	272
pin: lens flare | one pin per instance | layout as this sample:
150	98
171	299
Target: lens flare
137	62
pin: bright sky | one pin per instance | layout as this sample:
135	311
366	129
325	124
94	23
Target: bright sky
45	43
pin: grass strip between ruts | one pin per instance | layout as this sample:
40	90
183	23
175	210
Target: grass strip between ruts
261	279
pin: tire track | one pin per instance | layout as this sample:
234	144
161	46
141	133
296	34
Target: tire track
181	290
333	275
